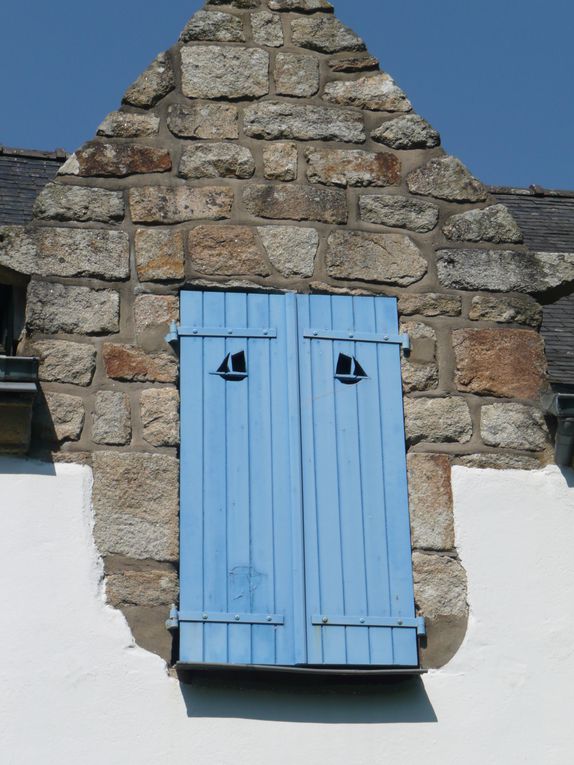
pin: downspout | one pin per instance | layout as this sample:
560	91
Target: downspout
561	405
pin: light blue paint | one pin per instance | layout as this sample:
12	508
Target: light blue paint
293	485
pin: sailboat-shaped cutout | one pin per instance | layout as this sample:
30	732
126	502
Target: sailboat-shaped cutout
233	367
349	371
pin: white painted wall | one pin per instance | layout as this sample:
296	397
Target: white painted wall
76	691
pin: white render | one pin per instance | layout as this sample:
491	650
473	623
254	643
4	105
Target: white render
76	690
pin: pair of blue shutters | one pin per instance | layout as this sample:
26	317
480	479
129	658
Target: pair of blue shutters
295	540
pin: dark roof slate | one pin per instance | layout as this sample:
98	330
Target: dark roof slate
23	174
546	218
547	222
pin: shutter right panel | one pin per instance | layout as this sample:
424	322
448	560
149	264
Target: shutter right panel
356	521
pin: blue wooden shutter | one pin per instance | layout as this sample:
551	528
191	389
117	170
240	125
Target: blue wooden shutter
359	591
295	540
242	587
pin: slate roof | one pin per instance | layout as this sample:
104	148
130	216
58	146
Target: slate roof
23	174
547	221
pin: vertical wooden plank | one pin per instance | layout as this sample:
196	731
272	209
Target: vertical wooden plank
322	512
240	573
405	648
215	481
262	508
350	479
375	562
191	478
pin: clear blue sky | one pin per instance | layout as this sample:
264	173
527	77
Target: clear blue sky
494	76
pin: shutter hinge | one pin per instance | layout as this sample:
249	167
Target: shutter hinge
392	622
172	336
172	623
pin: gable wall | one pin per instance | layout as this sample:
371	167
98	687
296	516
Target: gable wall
266	150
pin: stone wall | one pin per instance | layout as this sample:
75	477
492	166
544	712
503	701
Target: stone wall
266	150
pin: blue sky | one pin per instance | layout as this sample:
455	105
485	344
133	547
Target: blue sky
494	76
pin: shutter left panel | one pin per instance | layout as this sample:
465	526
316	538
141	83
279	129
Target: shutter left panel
240	602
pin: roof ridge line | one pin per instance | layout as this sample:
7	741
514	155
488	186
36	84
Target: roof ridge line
59	154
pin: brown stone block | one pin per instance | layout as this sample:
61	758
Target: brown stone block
430	501
155	310
203	120
159	255
352	167
500	362
226	250
118	160
127	362
140	583
165	204
296	203
384	258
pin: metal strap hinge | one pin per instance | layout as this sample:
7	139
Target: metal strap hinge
394	622
209	617
358	337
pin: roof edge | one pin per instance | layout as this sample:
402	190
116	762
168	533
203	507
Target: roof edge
58	154
531	191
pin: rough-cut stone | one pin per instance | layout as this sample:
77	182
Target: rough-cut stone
440	586
155	311
207	120
267	29
216	160
66	416
296	75
430	304
377	92
218	72
159	255
497	461
500	362
77	203
353	63
159	409
64	362
111	419
127	125
115	160
277	119
430	501
18	250
280	161
419	376
300	5
135	501
153	84
423	341
296	203
446	178
325	34
82	252
213	26
437	419
518	309
55	308
291	249
165	204
513	426
504	271
149	584
493	224
384	258
352	167
407	132
398	212
131	364
226	250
